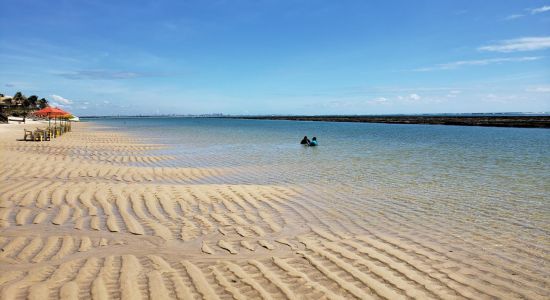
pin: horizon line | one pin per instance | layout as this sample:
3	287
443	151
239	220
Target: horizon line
309	115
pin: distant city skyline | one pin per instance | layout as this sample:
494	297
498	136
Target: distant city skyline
278	57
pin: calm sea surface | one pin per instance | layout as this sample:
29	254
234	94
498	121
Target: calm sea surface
473	183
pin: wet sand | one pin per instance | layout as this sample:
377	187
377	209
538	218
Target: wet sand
93	214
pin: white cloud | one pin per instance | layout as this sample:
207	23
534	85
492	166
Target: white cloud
478	62
532	11
414	97
539	89
61	100
453	94
339	103
501	99
513	17
379	100
519	44
102	75
540	9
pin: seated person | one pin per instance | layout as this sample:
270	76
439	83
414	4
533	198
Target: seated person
305	141
313	142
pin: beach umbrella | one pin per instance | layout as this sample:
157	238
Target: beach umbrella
65	116
50	112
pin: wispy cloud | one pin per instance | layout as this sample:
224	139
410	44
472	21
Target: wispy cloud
519	44
532	11
453	94
102	75
477	62
379	100
61	104
410	97
540	9
501	99
513	17
61	100
539	89
414	97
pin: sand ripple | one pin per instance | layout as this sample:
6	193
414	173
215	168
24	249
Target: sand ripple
96	214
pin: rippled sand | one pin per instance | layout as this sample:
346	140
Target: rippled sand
94	214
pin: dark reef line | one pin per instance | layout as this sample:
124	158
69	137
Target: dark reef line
492	121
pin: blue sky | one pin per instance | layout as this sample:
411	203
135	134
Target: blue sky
278	57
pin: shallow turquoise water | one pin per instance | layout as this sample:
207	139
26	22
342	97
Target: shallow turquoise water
475	182
351	152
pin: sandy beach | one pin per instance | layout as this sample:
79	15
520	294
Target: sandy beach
94	214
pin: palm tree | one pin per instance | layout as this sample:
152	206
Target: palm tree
33	101
18	98
42	103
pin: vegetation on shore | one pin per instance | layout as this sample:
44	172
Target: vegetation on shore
19	105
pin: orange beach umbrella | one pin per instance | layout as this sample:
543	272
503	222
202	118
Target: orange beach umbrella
51	112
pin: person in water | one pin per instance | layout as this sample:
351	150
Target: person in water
313	142
305	141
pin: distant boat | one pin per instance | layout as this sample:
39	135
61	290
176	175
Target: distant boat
74	119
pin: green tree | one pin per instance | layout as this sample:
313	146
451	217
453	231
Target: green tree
18	98
33	101
42	103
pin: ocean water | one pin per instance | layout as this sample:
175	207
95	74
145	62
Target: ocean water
445	184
